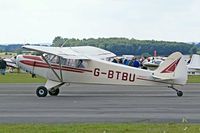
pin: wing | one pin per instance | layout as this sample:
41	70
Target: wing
80	52
93	52
58	51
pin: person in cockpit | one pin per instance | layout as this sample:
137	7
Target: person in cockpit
80	64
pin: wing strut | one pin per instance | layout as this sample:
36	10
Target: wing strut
59	78
60	66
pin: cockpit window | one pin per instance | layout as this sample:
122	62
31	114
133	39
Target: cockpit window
66	62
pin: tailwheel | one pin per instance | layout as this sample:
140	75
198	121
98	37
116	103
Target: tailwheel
54	92
41	91
179	93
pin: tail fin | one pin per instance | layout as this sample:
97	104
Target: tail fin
173	68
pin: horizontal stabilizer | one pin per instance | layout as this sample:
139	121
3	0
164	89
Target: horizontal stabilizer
162	78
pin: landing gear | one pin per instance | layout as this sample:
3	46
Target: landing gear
51	87
54	92
179	93
41	91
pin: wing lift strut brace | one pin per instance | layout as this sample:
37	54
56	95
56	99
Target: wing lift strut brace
60	78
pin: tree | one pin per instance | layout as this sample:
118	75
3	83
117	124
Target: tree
58	41
193	50
121	46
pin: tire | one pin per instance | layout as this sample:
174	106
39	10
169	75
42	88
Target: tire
54	92
179	93
41	91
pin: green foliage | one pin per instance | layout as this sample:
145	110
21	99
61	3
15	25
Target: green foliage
20	78
193	50
193	79
10	47
19	51
36	53
198	48
146	55
132	46
101	128
58	41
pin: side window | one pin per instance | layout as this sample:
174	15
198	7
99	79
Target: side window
63	61
81	63
53	59
67	62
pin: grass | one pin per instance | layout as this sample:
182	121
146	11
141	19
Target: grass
20	78
26	78
7	54
194	79
101	128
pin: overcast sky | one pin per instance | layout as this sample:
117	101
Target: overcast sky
39	21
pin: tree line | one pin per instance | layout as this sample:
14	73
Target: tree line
123	46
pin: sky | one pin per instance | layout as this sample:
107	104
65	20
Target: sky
40	21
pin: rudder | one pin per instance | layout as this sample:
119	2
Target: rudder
174	68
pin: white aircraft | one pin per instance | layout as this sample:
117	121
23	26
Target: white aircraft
194	65
88	65
11	62
152	63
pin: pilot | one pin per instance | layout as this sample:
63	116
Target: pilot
80	64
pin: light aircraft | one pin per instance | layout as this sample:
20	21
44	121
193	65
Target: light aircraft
152	63
89	65
11	62
194	65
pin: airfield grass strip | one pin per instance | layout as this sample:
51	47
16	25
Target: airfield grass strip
26	78
20	78
101	128
193	79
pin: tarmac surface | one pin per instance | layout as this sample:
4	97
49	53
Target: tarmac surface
99	103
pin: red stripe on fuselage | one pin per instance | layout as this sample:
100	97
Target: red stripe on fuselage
54	66
38	58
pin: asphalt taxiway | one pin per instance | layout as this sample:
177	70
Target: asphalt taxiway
99	103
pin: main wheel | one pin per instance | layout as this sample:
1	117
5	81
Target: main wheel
54	92
179	93
41	91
